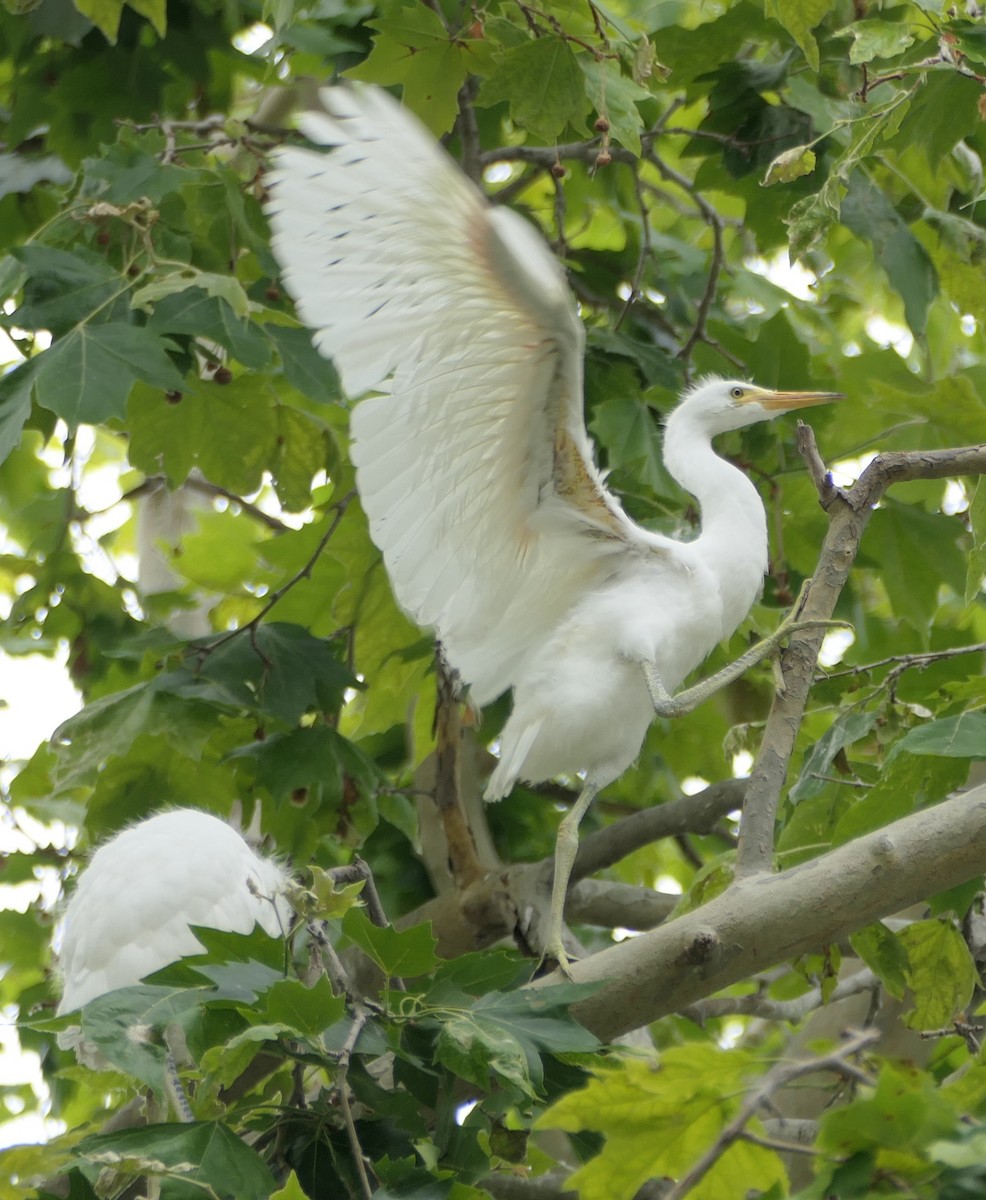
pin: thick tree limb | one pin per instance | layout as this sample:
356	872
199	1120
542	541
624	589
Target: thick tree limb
849	512
767	919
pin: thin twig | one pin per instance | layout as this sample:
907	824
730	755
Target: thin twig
849	513
205	488
906	661
468	130
642	257
277	596
777	1078
820	475
758	1005
358	871
688	814
716	224
360	1017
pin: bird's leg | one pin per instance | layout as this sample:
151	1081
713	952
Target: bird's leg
566	848
666	705
175	1091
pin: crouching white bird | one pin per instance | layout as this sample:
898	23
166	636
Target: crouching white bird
140	892
474	466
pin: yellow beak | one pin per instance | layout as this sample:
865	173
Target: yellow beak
788	401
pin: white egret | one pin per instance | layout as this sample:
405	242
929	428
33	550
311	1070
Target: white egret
475	468
131	910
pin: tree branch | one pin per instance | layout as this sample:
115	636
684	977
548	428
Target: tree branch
688	814
768	919
779	1077
849	513
792	1011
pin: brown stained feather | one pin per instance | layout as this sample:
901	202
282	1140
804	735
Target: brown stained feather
574	483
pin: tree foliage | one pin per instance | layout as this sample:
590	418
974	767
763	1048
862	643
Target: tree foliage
677	156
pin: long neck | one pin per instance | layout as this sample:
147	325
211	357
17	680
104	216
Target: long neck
734	524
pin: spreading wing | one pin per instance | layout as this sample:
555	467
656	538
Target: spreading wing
472	458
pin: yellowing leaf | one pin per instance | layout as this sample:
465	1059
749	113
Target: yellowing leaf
292	1190
941	975
659	1119
799	18
790	165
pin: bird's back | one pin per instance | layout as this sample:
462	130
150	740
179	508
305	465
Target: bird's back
131	912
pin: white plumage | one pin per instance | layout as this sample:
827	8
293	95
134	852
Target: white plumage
130	913
473	462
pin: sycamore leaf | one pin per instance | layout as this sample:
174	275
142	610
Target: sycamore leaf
207	1153
941	972
790	165
543	84
799	18
659	1119
401	953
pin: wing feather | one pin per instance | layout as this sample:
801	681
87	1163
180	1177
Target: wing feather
473	463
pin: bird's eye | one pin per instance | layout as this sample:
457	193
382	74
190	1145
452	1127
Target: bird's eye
737	393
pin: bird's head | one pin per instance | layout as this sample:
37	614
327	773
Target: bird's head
723	404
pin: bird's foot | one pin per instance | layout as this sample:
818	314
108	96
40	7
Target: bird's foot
555	955
787	630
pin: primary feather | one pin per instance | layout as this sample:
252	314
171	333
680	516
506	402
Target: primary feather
473	462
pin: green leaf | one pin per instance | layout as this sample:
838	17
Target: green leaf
304	367
323	899
291	1191
869	214
963	736
126	174
16	389
846	729
86	376
200	315
206	1153
304	447
658	1121
977	558
228	430
917	551
884	954
221	287
413	48
63	288
106	14
615	97
799	18
877	38
281	670
401	954
543	84
306	1010
118	1024
904	1112
627	428
942	974
315	757
944	110
907	782
478	973
475	1050
790	165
